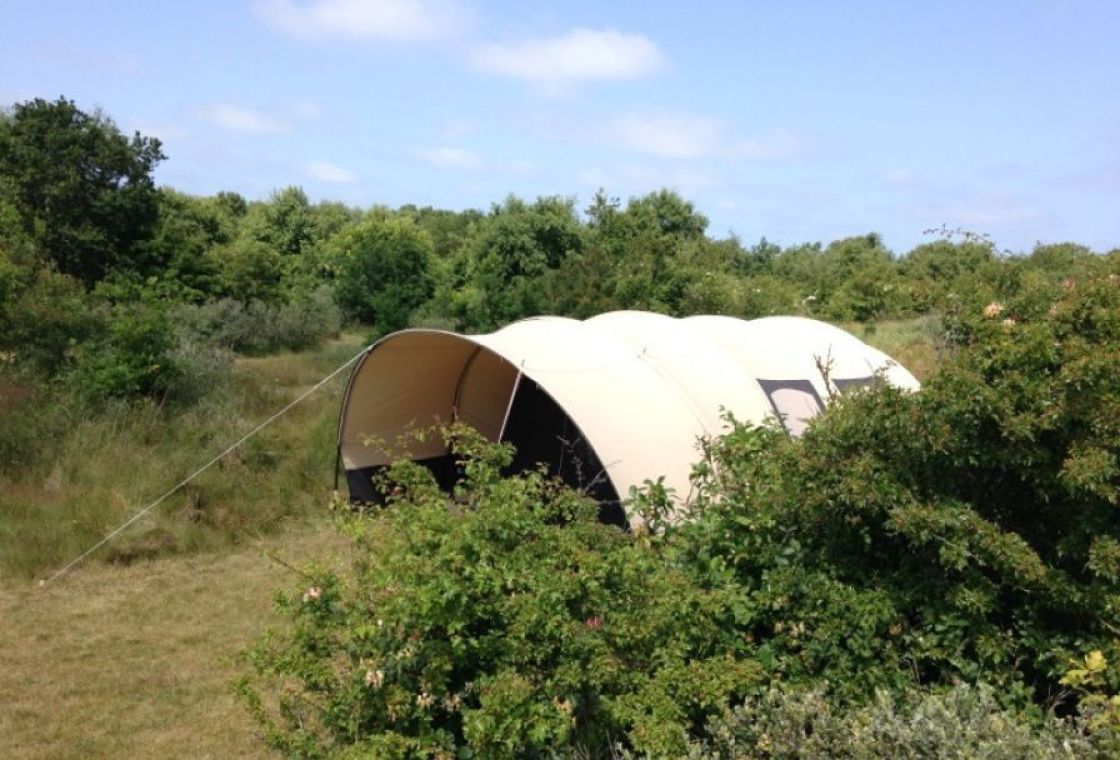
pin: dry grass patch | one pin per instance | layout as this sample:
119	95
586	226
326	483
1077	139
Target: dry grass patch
916	344
137	661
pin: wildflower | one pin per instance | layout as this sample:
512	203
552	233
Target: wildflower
1069	283
312	594
993	310
451	703
424	700
375	678
1008	323
594	622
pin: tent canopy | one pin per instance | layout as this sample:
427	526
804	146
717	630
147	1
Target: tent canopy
638	389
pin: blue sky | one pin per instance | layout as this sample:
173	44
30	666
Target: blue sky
798	121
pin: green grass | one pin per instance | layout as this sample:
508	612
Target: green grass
139	661
92	472
915	343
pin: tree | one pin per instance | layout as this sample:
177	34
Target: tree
666	212
382	269
510	251
83	190
286	222
250	271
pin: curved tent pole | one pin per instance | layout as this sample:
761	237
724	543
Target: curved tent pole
509	405
458	392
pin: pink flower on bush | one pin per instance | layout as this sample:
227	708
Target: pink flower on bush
312	594
594	622
993	310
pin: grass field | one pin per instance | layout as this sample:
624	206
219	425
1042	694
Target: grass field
96	470
137	661
133	653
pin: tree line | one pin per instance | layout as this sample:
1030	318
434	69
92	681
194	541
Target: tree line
98	263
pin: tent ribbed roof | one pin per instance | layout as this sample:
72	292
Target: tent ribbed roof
641	387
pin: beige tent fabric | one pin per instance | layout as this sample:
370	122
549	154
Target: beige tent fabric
641	387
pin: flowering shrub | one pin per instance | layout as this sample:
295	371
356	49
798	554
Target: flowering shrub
508	622
967	531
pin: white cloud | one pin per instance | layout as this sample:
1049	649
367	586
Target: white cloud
241	119
395	20
667	136
579	55
684	136
326	172
451	158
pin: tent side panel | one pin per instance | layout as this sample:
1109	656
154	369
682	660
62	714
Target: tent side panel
406	382
484	393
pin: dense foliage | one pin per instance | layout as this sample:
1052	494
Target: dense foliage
510	623
964	532
83	191
906	544
962	722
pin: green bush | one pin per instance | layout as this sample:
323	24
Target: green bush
507	623
257	327
133	357
964	722
967	531
44	317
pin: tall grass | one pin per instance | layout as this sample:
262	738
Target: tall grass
69	476
917	343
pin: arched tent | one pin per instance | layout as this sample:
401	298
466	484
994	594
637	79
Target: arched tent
606	403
